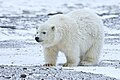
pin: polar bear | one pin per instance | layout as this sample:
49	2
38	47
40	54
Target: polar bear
78	34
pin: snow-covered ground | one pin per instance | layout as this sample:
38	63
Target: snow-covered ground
17	29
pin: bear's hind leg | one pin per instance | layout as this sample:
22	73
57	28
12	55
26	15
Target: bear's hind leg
92	55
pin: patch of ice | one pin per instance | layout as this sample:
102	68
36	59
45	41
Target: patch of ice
106	71
21	56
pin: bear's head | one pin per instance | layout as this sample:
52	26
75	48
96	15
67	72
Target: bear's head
47	35
52	31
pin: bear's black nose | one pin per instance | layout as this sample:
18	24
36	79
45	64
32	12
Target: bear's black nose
37	39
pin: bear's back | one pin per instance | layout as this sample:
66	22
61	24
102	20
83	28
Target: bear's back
87	20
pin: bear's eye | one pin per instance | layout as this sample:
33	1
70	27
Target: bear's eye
37	32
43	32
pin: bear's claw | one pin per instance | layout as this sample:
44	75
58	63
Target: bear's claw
48	65
65	65
87	63
69	65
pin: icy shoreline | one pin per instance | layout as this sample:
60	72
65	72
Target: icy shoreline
21	57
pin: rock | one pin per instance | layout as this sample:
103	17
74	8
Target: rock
8	77
23	76
24	68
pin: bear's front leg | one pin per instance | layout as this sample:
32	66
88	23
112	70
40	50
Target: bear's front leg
50	55
73	57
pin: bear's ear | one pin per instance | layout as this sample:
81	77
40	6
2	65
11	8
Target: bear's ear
53	28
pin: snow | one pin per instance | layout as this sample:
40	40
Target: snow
111	71
18	47
17	7
17	34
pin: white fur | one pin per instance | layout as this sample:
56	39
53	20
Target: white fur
79	34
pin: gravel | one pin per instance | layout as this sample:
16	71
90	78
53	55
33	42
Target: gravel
46	73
